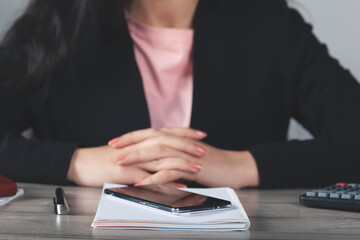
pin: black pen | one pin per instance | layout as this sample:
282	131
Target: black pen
61	206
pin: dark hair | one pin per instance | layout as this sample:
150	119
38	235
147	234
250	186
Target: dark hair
50	31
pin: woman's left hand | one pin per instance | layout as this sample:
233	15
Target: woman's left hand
219	168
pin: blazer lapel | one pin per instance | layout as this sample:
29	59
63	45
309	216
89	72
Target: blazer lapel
207	71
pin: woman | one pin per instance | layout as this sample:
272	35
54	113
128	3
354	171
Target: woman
81	73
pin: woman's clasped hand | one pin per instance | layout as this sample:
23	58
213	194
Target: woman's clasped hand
170	154
162	156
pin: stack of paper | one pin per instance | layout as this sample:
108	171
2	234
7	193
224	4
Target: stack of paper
115	213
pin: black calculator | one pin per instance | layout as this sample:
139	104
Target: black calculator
341	196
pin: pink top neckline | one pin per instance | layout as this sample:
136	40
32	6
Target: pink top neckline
164	58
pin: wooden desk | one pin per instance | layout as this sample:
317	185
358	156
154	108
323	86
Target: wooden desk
274	214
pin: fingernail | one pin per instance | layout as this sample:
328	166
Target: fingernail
113	141
201	133
137	184
197	166
120	158
200	149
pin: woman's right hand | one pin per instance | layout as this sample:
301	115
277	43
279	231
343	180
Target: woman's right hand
94	166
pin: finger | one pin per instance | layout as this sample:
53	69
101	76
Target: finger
137	174
160	147
166	176
114	140
185	132
171	164
141	135
177	185
134	137
143	153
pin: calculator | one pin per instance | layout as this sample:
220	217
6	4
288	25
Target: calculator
340	196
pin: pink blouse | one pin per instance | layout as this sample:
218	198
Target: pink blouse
164	58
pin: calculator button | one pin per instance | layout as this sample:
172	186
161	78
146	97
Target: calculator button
311	194
341	184
346	196
340	192
352	193
334	195
325	191
323	194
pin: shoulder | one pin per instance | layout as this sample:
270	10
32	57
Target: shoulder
258	11
254	3
252	18
265	8
267	18
244	13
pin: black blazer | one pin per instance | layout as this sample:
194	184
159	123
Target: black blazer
256	65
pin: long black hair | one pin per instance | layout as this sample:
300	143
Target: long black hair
47	34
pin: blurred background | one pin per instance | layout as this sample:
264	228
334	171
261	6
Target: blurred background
335	23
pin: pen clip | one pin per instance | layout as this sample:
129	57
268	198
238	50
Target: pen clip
61	206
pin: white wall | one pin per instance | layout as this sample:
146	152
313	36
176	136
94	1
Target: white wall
9	11
335	22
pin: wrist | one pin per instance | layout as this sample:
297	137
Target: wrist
246	170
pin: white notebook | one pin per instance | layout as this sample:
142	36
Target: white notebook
115	213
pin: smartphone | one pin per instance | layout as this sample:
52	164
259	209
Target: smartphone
169	199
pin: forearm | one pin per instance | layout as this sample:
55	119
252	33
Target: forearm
41	161
246	169
82	163
82	166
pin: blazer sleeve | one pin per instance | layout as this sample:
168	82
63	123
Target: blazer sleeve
24	160
326	102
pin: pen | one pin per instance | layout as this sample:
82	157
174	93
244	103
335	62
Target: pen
61	206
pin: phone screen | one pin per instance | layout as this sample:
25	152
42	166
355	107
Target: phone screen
168	198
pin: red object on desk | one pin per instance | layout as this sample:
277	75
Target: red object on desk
341	184
7	187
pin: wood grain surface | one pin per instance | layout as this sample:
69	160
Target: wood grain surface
274	214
